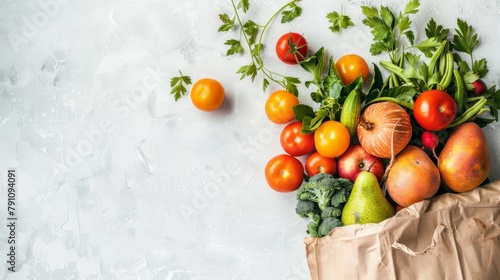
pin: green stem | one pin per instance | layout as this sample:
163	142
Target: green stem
255	59
472	112
268	73
272	18
393	100
241	26
394	69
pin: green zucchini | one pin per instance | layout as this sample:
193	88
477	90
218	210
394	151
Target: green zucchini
351	109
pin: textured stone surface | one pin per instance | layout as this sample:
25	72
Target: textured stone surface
116	181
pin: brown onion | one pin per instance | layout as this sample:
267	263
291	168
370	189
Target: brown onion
384	129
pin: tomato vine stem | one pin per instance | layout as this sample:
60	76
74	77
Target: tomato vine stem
256	48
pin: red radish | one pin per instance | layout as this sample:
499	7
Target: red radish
430	141
479	87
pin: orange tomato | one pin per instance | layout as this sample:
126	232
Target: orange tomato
207	94
331	139
279	106
350	67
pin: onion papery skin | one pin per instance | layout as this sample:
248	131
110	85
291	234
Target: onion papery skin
380	125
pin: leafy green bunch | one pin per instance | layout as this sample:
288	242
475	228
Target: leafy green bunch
330	92
434	63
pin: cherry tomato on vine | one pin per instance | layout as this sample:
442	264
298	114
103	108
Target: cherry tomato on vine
291	48
294	142
350	66
279	106
434	110
331	139
316	163
207	94
284	173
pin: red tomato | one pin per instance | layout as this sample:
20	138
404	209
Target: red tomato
295	142
316	163
284	173
291	48
350	67
434	110
331	139
279	106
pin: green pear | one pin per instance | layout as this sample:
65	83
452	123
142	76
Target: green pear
366	203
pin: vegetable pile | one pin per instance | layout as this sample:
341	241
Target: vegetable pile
424	102
430	88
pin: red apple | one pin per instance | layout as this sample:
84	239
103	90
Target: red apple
355	160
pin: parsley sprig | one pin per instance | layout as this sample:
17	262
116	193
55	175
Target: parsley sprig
338	20
389	30
251	34
466	41
178	85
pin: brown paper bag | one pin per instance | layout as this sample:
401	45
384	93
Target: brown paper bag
451	236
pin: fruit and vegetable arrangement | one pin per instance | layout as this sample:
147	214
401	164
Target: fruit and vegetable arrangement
376	140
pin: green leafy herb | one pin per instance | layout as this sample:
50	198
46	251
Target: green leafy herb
178	85
429	45
464	40
338	21
227	23
252	33
412	7
294	12
480	67
234	47
388	30
433	30
251	29
244	5
302	110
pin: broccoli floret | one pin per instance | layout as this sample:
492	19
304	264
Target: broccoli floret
345	183
327	225
331	212
340	197
322	198
319	189
312	227
306	208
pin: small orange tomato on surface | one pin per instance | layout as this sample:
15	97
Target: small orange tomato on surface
207	94
279	106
